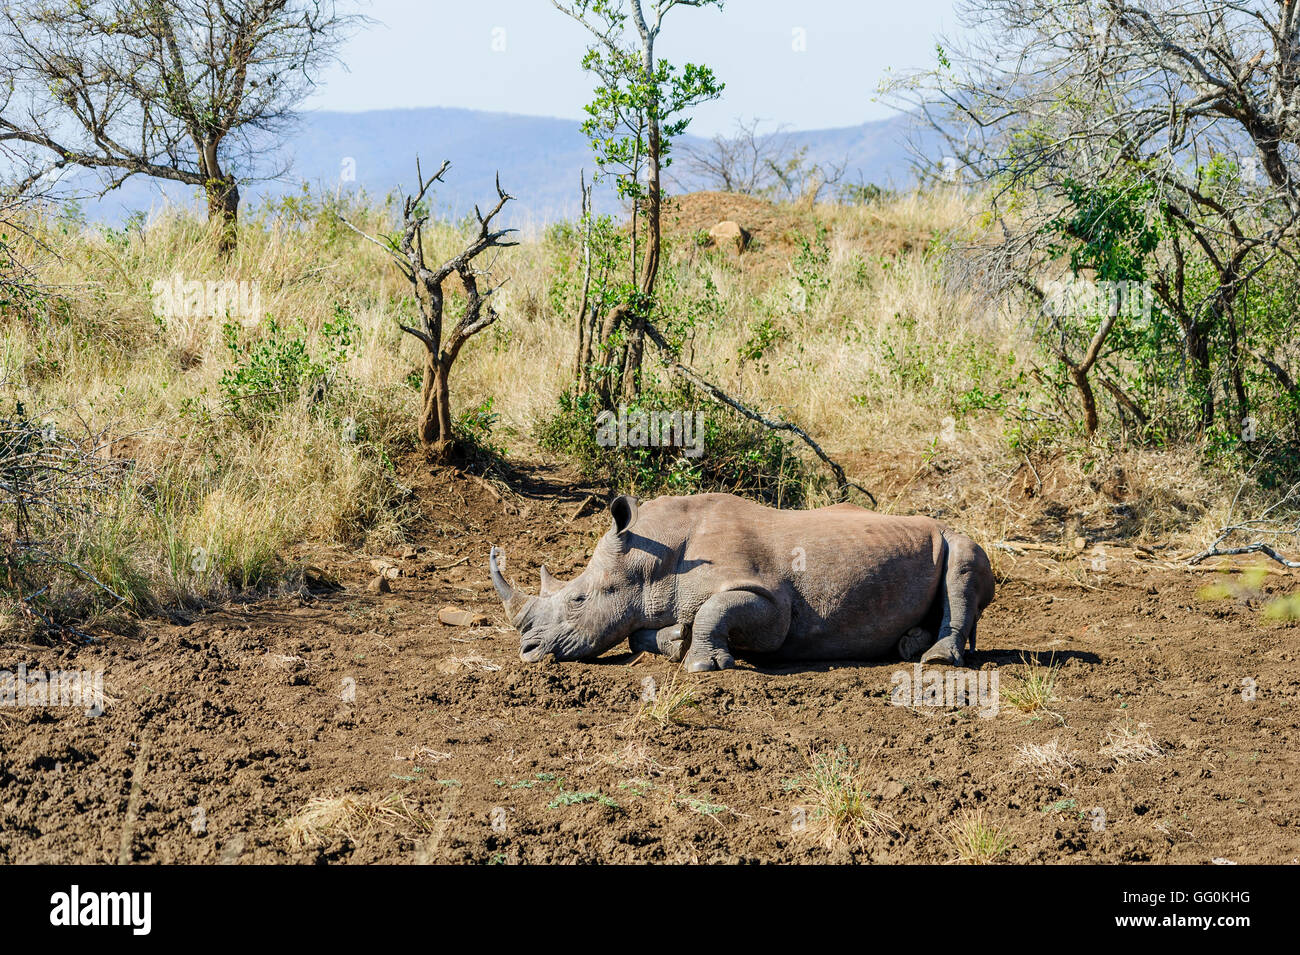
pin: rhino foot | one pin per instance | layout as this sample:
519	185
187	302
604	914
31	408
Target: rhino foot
913	643
947	650
708	658
672	641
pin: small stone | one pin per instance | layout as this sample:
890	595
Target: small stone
379	585
453	617
729	233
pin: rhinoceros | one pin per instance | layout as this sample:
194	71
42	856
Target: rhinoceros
704	577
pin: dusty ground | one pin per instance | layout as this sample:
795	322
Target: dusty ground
224	729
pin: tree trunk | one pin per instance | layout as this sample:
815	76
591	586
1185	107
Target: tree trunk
653	214
586	348
1234	365
223	207
633	352
1198	351
582	361
435	431
1086	398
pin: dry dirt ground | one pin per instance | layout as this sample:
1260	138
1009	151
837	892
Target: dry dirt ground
222	730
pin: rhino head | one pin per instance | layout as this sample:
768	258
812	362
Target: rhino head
588	615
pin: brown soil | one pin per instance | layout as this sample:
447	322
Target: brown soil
222	729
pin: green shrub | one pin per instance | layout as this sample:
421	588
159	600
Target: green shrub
279	368
736	455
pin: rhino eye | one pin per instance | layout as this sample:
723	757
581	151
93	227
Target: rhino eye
575	600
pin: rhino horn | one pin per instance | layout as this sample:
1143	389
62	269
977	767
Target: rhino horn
514	601
550	583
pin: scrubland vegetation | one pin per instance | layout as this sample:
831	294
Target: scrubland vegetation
233	443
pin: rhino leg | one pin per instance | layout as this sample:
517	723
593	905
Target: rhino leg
967	590
669	641
740	618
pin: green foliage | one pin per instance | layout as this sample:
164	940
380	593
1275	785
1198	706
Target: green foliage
474	428
628	98
811	264
763	334
319	213
278	368
861	193
737	455
19	292
1120	234
1107	229
572	798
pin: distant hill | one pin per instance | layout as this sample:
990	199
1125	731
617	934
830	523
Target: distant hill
539	159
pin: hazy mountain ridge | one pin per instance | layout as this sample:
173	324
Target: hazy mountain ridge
539	160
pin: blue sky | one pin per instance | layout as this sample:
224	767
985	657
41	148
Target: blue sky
808	64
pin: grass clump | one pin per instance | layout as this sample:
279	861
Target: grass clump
976	840
842	804
1034	689
669	705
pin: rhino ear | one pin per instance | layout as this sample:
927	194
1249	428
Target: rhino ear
550	584
623	510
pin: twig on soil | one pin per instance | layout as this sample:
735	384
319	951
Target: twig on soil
1265	525
577	511
124	849
457	563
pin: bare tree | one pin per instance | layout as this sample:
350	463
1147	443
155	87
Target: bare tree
434	425
741	162
755	163
800	180
1152	141
182	90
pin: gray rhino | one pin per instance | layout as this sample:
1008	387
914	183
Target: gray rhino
704	577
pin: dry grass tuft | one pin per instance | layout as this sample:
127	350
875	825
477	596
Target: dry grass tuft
353	817
1129	743
671	704
1051	758
474	663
